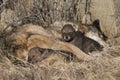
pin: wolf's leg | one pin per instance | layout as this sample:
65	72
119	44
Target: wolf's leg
43	41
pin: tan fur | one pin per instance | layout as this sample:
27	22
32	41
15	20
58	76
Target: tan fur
29	36
96	37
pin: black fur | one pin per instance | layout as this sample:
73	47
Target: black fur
78	39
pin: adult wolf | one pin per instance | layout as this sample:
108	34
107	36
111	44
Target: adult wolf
28	36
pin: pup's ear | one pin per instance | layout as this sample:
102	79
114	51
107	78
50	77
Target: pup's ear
75	27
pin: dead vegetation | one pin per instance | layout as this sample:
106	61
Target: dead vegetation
105	67
57	65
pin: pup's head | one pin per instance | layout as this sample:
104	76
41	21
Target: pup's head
68	32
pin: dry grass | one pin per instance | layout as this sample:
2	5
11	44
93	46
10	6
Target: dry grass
55	67
105	67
